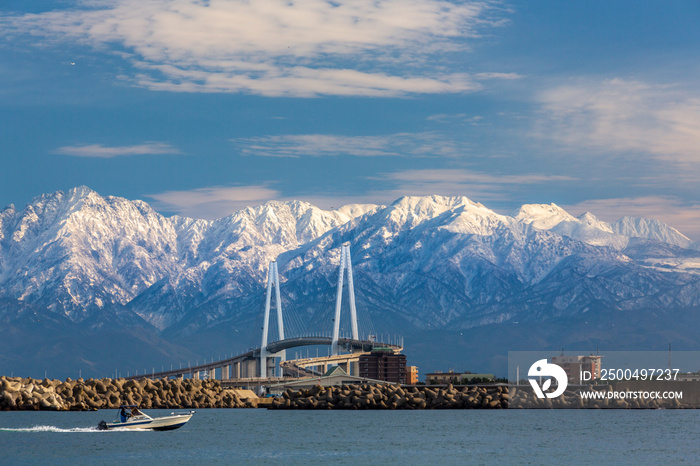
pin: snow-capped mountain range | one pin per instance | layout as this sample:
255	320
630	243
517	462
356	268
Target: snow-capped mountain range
420	263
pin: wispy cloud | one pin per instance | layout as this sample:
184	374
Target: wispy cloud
468	176
276	47
460	182
462	118
680	214
106	152
323	145
214	201
479	186
508	76
618	115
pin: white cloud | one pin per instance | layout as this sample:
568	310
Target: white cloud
683	216
625	116
279	47
214	201
320	145
105	152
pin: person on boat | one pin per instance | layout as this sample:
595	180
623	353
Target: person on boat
123	416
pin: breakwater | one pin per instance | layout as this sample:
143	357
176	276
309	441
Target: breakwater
367	396
618	396
80	395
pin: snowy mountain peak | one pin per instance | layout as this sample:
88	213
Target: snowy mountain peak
586	227
291	223
410	211
351	211
435	203
594	222
636	227
543	216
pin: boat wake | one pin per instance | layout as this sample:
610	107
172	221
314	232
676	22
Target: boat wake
57	429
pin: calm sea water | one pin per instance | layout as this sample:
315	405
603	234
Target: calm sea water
250	436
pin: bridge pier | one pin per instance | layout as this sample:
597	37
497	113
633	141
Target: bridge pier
250	369
225	372
195	375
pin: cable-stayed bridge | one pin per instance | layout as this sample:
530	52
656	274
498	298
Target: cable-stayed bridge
269	362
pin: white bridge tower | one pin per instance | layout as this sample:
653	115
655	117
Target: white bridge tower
272	277
345	263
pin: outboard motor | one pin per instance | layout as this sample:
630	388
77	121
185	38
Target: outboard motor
102	425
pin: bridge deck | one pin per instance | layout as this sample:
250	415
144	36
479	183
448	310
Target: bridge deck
272	348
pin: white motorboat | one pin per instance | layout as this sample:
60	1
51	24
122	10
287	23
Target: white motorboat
130	417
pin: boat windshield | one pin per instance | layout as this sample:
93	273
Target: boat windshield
127	412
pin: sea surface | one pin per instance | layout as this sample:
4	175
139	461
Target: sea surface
259	436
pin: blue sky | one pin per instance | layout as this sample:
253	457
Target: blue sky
203	107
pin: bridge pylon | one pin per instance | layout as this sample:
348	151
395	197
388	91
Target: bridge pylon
272	277
345	263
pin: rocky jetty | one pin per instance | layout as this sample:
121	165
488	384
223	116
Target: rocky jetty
367	396
80	395
472	397
571	399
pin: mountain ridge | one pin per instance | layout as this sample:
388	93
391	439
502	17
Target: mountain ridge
421	263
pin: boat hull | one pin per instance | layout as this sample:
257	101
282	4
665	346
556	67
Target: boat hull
159	423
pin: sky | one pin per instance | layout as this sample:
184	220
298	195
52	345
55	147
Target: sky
203	107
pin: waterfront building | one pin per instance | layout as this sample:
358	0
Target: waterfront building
574	365
457	378
384	364
688	377
412	375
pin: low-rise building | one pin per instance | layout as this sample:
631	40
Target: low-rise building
574	366
412	375
458	378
